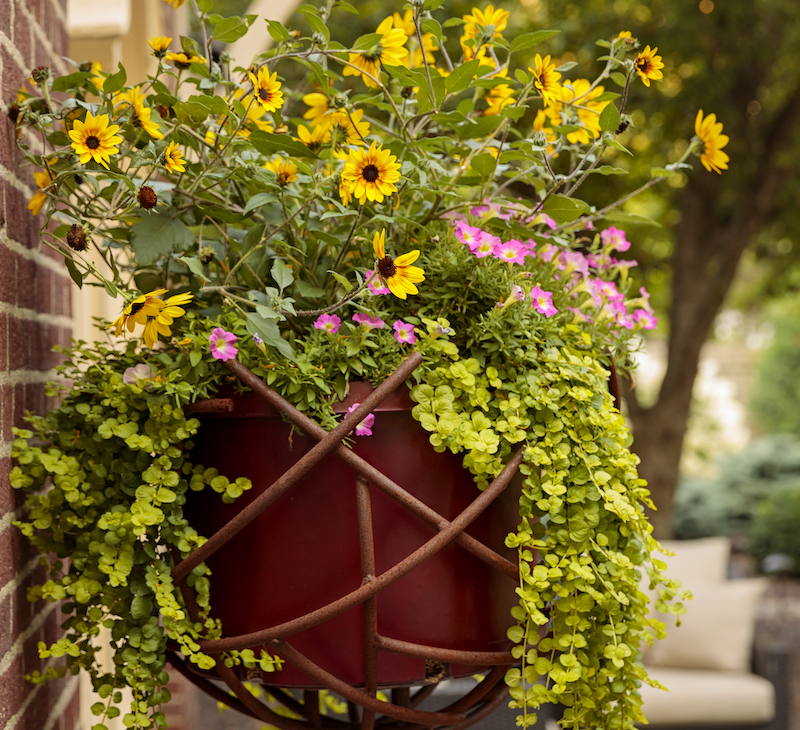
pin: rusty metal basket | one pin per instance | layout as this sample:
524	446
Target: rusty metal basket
366	711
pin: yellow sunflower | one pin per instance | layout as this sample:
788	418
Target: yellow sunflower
138	311
371	174
267	89
161	322
97	79
318	106
478	20
159	45
42	179
398	274
183	60
315	138
285	170
498	96
175	3
346	128
709	132
545	78
94	139
141	113
648	65
579	95
173	158
389	51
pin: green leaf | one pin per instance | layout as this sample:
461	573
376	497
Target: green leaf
342	280
157	235
76	275
269	333
316	23
529	40
214	104
281	273
484	165
429	25
609	118
617	146
232	29
277	31
563	209
115	81
64	83
480	129
462	76
609	170
253	235
618	78
347	7
205	5
58	139
191	113
194	266
661	172
308	291
365	42
141	607
257	201
269	144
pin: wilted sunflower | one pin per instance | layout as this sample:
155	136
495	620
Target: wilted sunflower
285	170
138	311
94	139
649	65
173	159
545	78
161	323
371	174
389	51
267	89
398	274
43	179
709	132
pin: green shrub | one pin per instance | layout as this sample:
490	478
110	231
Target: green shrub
774	528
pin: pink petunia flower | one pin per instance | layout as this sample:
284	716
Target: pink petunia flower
467	234
512	252
615	238
375	285
543	301
371	323
624	319
222	344
365	427
547	251
328	322
542	218
404	332
647	319
486	245
570	261
133	375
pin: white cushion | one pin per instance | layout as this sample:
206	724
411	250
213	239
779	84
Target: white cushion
697	561
716	632
697	697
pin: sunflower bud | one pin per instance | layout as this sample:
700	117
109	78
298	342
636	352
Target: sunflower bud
164	111
539	139
147	197
40	74
14	112
76	237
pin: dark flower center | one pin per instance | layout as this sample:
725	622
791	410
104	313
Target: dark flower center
370	173
92	142
386	267
643	65
263	94
135	307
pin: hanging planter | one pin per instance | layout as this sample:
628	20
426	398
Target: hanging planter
207	493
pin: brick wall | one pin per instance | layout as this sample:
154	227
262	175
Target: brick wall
34	315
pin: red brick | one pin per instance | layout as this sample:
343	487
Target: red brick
13	76
8	275
17	216
19	332
3	342
23	39
26	283
5	17
19	407
6	412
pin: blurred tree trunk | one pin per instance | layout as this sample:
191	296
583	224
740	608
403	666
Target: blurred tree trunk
708	247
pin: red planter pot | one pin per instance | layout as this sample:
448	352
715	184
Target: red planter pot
303	551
